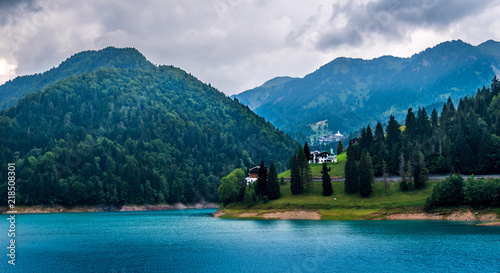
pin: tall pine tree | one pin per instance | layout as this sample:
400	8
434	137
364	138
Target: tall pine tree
393	141
273	190
378	150
419	170
304	170
351	185
261	188
424	125
340	148
327	181
307	152
411	125
365	175
296	186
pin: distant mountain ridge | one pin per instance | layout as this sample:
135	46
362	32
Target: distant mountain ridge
351	93
84	62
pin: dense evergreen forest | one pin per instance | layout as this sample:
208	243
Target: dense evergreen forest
465	140
132	135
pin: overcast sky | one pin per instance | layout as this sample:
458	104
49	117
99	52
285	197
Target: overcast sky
236	44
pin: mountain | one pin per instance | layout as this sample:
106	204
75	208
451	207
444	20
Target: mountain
87	61
254	97
136	134
351	93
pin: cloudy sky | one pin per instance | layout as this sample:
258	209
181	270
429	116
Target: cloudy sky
236	44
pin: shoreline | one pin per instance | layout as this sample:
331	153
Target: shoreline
490	218
101	208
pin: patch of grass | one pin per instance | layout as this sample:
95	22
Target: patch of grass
346	214
344	206
380	199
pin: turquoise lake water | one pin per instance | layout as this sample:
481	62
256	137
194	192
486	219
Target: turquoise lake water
193	241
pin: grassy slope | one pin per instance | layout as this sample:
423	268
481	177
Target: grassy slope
316	128
346	207
337	168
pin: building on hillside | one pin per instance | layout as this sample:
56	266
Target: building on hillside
354	141
253	174
322	157
338	136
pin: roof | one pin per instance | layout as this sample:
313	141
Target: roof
254	169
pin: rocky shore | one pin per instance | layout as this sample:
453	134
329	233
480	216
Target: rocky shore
58	208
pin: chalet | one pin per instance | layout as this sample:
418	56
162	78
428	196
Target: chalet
354	141
322	157
253	174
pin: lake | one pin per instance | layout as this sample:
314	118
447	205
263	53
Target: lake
193	241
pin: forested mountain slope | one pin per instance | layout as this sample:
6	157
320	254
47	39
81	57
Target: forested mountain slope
132	135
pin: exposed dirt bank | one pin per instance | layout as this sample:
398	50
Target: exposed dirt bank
281	215
57	208
455	216
496	224
316	215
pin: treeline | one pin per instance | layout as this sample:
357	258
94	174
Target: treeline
454	191
234	189
464	139
119	136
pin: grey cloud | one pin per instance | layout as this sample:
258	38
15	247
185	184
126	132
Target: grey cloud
6	5
392	19
10	9
233	44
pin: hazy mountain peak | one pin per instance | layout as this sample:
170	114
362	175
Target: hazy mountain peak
277	81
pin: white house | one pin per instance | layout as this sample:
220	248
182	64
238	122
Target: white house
253	174
322	157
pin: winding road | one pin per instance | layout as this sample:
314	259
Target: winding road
436	177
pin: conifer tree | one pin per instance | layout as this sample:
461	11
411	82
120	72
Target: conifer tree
369	138
419	170
392	141
304	170
424	125
262	181
411	125
393	133
379	150
273	185
363	141
340	148
307	152
434	119
296	186
351	173
365	175
402	171
327	181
